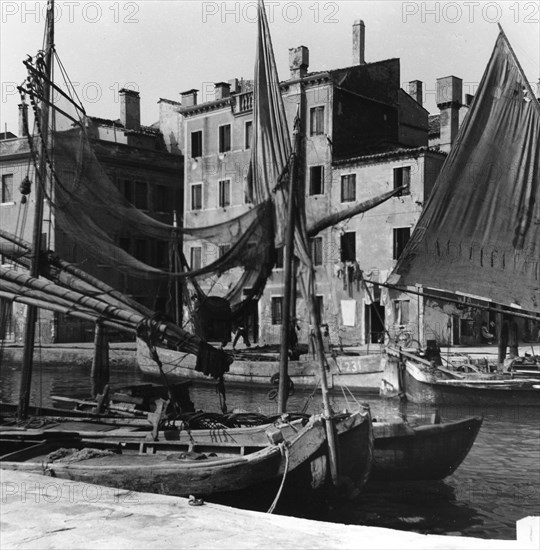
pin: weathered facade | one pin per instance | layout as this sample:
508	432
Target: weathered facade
136	160
363	135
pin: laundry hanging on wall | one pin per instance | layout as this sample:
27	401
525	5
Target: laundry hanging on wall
348	312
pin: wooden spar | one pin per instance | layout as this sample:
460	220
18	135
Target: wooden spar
71	311
288	260
176	268
31	315
100	361
328	413
190	343
343	215
406	290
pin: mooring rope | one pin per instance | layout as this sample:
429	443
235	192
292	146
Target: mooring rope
284	451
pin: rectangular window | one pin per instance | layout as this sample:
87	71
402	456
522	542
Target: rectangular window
196	196
196	144
401	312
128	190
225	138
316	180
317	251
348	247
196	257
7	188
401	237
279	258
141	196
224	193
223	249
402	178
248	134
277	310
316	121
162	201
348	188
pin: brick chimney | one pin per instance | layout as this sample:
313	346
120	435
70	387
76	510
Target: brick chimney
223	90
130	109
298	62
449	101
23	115
358	42
416	89
189	98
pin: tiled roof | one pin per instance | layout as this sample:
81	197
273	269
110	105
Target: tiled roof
400	152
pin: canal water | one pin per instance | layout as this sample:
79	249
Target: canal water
496	485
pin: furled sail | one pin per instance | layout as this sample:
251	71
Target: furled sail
479	233
271	149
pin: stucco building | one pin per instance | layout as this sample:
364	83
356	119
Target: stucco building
363	135
136	159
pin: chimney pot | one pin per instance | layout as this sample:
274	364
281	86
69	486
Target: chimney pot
189	98
359	42
449	101
298	61
23	115
416	90
222	90
234	86
130	109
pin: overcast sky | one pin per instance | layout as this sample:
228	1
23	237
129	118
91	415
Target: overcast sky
165	47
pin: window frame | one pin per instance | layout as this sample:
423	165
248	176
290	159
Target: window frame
223	146
248	135
345	250
194	207
398	245
317	251
224	188
275	303
402	176
316	120
346	197
199	144
4	199
312	171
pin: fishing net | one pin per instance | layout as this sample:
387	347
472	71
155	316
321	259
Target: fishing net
91	210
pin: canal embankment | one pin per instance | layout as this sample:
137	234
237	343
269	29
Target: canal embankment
40	512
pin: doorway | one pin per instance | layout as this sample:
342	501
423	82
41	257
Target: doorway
374	323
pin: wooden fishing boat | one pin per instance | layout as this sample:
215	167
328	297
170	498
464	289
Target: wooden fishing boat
218	465
420	381
407	451
353	370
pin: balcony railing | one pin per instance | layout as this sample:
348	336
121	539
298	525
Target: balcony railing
242	103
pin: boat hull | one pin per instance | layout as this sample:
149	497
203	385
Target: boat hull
422	387
432	451
354	371
247	472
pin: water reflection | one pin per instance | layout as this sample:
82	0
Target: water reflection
497	484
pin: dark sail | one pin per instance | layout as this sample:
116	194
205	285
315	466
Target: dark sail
480	231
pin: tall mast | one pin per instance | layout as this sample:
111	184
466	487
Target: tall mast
288	260
31	317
